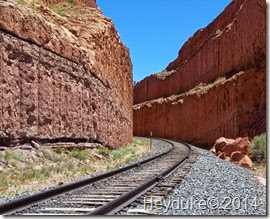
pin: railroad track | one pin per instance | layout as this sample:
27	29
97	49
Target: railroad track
105	194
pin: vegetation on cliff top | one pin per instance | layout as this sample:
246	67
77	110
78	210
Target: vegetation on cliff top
60	8
200	89
22	2
163	74
38	5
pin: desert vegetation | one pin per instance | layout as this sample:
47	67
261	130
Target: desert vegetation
38	5
163	74
257	152
31	170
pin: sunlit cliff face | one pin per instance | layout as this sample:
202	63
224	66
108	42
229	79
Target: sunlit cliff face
65	74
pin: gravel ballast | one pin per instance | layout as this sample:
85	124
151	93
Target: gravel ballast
211	187
216	187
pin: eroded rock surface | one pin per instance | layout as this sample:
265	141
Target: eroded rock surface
63	76
217	85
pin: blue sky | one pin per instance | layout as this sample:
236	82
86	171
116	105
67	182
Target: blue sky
155	30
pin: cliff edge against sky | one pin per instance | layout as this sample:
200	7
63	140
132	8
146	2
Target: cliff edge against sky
216	86
65	74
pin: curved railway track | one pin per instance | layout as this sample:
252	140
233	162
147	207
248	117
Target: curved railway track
105	194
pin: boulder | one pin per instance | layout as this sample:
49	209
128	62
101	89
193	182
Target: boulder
228	159
222	142
26	147
213	150
35	145
3	148
240	144
222	155
237	156
245	162
99	156
233	150
228	146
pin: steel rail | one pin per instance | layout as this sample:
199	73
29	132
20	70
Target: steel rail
124	200
22	203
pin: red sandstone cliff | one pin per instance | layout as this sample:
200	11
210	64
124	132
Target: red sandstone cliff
216	86
234	41
63	76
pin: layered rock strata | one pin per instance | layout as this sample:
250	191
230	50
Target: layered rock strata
234	41
63	76
217	85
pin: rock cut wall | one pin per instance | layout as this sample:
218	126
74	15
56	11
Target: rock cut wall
217	85
63	77
234	41
232	108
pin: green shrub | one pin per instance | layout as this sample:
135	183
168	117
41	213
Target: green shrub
10	155
122	152
79	154
70	166
57	9
60	150
130	159
166	72
258	148
36	4
22	2
85	169
137	142
163	74
70	3
104	151
50	155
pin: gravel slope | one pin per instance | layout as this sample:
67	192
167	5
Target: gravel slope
217	187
